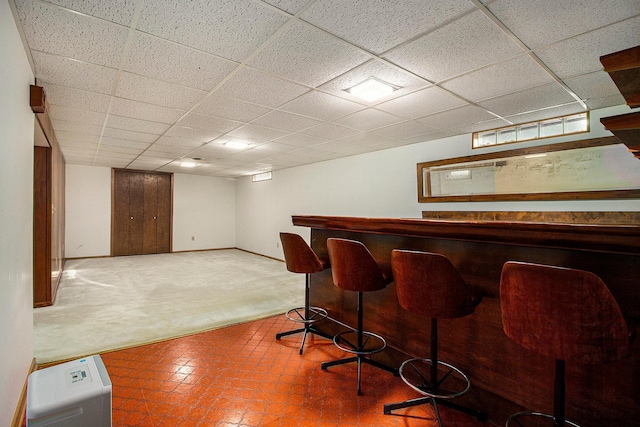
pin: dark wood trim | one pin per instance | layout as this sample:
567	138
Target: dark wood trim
18	415
624	69
602	218
601	238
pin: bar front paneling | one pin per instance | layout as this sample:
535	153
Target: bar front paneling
505	377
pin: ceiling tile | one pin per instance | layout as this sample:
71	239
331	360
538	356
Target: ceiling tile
289	6
307	55
118	11
476	41
404	130
229	108
422	103
51	29
83	128
75	74
581	54
229	28
215	124
76	98
164	60
607	101
59	112
77	137
534	116
285	121
259	88
453	119
513	75
255	132
364	139
200	135
368	119
593	85
528	100
144	111
145	89
128	123
134	145
552	20
147	163
129	135
300	140
321	106
330	131
381	25
179	144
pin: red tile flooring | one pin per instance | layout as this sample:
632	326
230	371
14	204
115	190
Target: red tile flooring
240	376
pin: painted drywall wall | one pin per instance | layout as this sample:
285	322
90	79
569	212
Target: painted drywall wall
16	216
204	208
379	184
88	211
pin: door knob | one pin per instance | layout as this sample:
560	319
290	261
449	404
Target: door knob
155	217
131	217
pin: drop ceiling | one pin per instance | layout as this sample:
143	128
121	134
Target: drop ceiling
144	84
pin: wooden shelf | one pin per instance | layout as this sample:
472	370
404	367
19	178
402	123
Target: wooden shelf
624	69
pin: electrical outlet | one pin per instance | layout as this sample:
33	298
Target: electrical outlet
277	244
193	237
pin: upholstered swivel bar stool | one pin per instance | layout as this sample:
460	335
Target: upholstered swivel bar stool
429	285
353	268
300	258
564	314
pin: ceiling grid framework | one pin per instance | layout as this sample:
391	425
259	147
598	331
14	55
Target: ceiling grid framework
144	84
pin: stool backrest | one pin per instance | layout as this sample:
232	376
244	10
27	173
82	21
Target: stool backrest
563	313
428	284
353	267
298	256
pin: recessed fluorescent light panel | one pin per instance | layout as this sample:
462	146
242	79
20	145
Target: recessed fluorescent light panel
236	144
188	164
371	89
265	176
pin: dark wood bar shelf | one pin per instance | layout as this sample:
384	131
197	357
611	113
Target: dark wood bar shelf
505	377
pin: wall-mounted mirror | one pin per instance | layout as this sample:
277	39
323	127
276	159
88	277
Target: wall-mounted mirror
600	168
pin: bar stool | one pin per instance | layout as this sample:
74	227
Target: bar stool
300	258
354	269
429	285
565	314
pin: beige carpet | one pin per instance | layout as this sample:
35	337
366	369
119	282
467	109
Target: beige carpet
110	303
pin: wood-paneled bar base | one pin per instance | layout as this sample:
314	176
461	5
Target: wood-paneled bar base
505	377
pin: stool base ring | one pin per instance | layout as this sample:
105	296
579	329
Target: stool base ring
298	315
360	350
515	417
425	386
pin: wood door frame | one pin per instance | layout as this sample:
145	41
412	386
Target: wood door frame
113	178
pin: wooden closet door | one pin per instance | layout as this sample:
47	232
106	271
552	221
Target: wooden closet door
142	213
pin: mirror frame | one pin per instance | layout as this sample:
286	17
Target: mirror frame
564	195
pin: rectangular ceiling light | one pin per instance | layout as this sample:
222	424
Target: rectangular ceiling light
236	144
265	176
371	89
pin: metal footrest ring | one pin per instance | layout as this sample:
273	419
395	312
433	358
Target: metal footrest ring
371	343
298	315
515	417
416	374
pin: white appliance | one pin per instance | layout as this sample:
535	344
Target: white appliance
72	394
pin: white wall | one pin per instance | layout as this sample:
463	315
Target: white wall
379	184
16	216
204	207
87	211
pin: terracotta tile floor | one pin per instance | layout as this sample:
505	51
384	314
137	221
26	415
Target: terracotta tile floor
240	376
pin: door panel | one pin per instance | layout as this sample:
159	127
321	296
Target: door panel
149	245
136	214
120	222
164	214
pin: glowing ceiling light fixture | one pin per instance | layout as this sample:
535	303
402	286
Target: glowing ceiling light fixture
187	164
236	144
371	89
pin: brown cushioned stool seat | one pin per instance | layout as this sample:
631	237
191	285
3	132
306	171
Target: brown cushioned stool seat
353	268
564	314
429	285
300	258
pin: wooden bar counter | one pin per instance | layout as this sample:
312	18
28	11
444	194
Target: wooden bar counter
505	377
